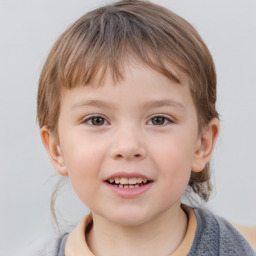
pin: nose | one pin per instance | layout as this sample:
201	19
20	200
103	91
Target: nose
128	144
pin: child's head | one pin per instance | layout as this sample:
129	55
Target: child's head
107	40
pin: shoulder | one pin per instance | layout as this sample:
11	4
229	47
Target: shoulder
50	247
216	236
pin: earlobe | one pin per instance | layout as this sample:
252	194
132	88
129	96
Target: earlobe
205	145
54	151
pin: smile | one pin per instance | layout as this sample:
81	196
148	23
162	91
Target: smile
123	182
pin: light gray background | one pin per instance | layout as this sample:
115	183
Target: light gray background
27	31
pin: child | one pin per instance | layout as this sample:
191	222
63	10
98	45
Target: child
126	107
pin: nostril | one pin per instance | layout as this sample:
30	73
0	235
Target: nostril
128	152
121	156
135	156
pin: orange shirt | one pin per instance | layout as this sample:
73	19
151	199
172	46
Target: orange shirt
76	243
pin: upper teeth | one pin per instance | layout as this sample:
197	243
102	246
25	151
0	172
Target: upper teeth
131	181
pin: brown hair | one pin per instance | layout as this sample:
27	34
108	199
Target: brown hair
107	37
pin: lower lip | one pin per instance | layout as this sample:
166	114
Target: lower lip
129	192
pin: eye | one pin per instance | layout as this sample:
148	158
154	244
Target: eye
159	120
96	121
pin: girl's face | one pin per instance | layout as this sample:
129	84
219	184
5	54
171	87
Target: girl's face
129	148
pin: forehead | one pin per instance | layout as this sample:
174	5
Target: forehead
138	84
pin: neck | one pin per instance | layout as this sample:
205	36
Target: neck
160	236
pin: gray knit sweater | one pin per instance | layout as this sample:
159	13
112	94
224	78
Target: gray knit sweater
214	237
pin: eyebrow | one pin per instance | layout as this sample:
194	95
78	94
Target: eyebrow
93	103
146	105
163	103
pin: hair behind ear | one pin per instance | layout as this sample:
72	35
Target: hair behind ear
53	149
200	174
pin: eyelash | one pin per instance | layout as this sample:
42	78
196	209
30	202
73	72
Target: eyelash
90	120
166	120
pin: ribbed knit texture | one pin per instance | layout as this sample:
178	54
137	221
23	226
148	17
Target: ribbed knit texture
214	237
217	237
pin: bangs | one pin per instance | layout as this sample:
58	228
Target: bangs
86	68
109	41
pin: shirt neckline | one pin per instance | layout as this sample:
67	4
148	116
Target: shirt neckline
76	243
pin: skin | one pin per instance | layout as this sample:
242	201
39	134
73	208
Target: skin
145	124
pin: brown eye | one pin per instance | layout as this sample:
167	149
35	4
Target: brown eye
159	120
96	121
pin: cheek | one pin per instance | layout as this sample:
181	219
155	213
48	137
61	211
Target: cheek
173	160
83	160
175	153
81	152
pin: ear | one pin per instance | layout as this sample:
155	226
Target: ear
53	149
205	145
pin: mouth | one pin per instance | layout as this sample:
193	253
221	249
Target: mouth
128	183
